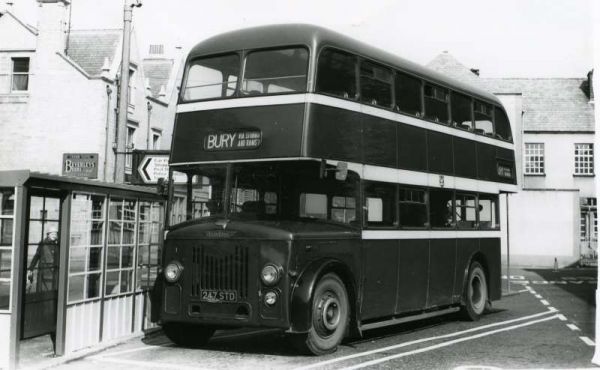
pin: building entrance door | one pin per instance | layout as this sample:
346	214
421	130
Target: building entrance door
588	245
42	255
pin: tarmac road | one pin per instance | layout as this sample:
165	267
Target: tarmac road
548	324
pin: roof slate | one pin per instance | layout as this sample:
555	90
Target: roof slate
550	104
89	48
157	71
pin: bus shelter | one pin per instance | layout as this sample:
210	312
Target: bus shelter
77	260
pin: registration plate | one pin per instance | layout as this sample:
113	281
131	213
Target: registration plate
218	295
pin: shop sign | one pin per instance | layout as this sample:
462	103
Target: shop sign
82	165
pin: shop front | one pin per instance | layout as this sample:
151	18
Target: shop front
77	261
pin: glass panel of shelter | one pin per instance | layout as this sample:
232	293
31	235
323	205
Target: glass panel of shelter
7	202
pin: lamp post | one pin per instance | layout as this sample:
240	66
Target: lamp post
128	6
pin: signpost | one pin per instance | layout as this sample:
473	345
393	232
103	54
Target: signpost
151	165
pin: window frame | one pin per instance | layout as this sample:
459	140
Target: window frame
586	159
10	248
446	101
527	158
189	64
242	77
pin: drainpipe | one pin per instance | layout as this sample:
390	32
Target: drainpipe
149	107
106	143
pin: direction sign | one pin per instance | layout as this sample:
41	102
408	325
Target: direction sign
153	167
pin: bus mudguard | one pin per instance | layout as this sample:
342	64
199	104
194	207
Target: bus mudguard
302	292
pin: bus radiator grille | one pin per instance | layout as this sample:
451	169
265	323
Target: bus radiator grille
221	268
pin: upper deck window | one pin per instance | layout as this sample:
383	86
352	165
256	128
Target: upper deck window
275	71
436	103
461	111
212	77
483	118
408	94
337	74
376	84
502	125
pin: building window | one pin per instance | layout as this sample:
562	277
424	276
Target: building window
155	140
584	159
7	211
129	145
20	74
86	247
534	158
131	89
121	244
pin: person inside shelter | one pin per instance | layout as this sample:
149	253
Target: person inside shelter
45	263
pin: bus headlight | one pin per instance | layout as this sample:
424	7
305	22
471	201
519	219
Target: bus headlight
270	274
173	271
270	298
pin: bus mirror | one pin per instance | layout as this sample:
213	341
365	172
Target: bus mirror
341	171
162	186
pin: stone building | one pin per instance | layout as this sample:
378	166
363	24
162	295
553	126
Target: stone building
58	95
554	215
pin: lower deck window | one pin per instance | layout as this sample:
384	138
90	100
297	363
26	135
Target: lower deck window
313	205
441	208
413	207
465	212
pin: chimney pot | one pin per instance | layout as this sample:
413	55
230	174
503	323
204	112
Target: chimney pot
475	71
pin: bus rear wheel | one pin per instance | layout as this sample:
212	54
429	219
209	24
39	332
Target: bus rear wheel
330	315
188	335
475	293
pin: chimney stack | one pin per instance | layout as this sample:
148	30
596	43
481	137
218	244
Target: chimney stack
475	71
590	77
52	23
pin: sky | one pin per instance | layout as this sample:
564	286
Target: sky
502	38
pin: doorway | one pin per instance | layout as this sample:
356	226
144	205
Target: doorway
588	235
42	248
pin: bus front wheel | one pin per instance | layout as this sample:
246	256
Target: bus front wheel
475	294
330	313
188	335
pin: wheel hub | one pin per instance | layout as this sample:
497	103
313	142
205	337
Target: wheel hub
330	313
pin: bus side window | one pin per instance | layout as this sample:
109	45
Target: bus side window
441	208
466	213
380	201
488	212
313	205
413	207
336	74
461	111
502	125
483	118
408	94
436	103
375	84
343	209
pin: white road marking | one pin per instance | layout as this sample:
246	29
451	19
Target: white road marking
538	296
146	364
545	302
532	291
522	291
455	334
573	327
552	309
562	317
449	343
587	341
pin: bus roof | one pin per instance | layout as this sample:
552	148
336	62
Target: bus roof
317	37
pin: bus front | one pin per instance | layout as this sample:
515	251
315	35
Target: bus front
246	209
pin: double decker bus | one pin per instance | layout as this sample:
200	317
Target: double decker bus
324	187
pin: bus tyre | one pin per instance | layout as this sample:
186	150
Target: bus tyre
188	335
475	293
330	315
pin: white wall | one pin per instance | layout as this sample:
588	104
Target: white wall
544	225
4	340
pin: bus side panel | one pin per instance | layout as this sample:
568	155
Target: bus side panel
334	133
465	249
380	271
442	263
280	125
508	156
486	162
412	148
465	158
439	153
413	270
490	248
379	145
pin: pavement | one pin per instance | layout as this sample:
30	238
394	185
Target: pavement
545	320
